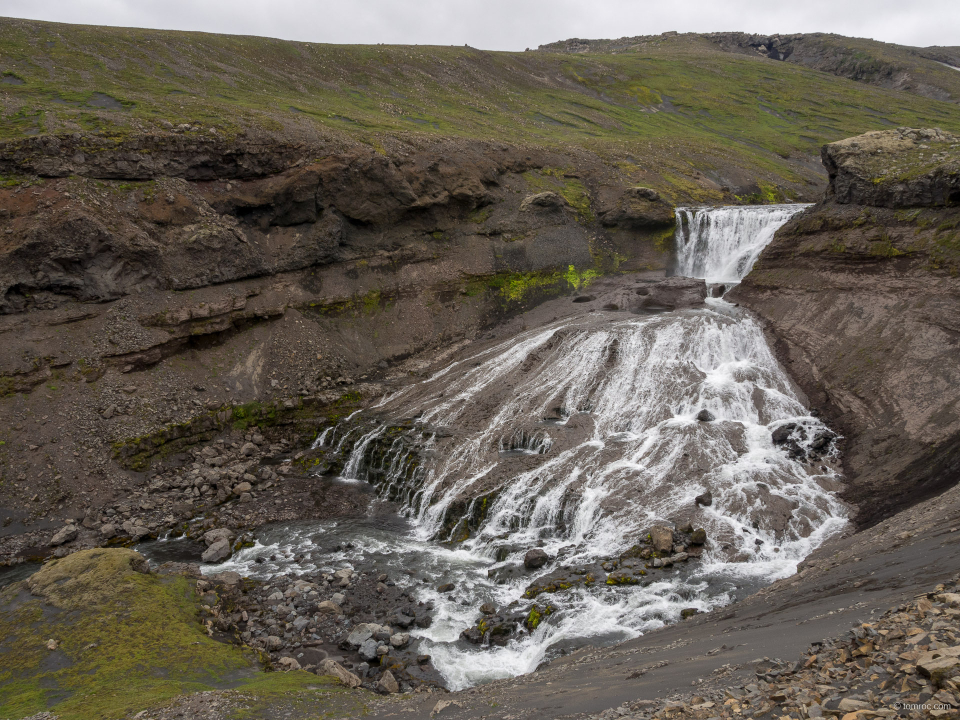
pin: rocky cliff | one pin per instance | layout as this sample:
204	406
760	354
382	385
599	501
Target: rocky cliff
150	286
862	296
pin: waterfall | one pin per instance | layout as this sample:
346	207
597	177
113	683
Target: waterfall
721	244
577	438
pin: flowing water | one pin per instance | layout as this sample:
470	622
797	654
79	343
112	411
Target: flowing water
576	438
721	244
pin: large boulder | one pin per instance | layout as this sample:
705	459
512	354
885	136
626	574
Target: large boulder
899	168
672	293
661	537
535	558
65	535
335	669
542	201
218	552
638	208
211	537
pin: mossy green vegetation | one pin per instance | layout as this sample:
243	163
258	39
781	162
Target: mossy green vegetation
124	641
664	110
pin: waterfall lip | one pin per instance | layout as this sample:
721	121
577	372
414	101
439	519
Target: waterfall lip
742	232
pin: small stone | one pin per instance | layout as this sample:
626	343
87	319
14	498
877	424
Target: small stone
368	649
400	640
445	588
248	449
535	558
488	609
338	598
387	684
241	488
52	644
706	499
288	663
328	607
698	537
273	643
108	531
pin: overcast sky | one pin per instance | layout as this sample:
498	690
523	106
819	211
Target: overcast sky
509	24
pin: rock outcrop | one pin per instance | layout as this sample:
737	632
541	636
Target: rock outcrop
862	298
903	168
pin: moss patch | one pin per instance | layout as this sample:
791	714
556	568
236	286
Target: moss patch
126	641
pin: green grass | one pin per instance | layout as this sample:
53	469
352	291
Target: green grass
127	641
660	112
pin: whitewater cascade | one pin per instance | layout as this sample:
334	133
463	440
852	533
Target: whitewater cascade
721	244
578	437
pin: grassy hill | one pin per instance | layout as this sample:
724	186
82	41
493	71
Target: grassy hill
672	108
929	72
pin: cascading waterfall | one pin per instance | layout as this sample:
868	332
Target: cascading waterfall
721	244
577	438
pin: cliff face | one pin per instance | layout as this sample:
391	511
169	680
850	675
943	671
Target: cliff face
150	285
862	296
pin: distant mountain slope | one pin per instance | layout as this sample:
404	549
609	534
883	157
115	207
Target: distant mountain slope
677	113
920	71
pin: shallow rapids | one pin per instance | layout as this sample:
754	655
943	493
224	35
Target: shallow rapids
577	438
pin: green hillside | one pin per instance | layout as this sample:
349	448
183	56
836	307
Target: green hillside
670	105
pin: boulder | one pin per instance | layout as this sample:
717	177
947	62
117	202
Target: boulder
542	201
328	607
706	416
535	558
211	537
698	537
677	292
937	661
248	449
335	669
637	208
387	684
241	488
661	537
218	552
108	531
445	588
64	535
288	663
706	499
361	633
400	640
368	649
273	643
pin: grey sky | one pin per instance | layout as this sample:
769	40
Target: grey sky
509	24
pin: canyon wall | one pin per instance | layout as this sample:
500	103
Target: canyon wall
861	297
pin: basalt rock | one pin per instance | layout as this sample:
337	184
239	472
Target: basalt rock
899	168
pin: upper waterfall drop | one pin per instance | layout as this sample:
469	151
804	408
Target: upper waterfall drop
721	244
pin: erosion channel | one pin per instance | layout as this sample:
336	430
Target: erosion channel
582	482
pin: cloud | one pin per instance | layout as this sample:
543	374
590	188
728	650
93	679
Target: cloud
508	24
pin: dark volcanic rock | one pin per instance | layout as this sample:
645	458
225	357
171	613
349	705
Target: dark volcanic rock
535	558
895	168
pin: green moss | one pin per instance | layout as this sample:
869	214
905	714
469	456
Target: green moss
127	641
481	215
